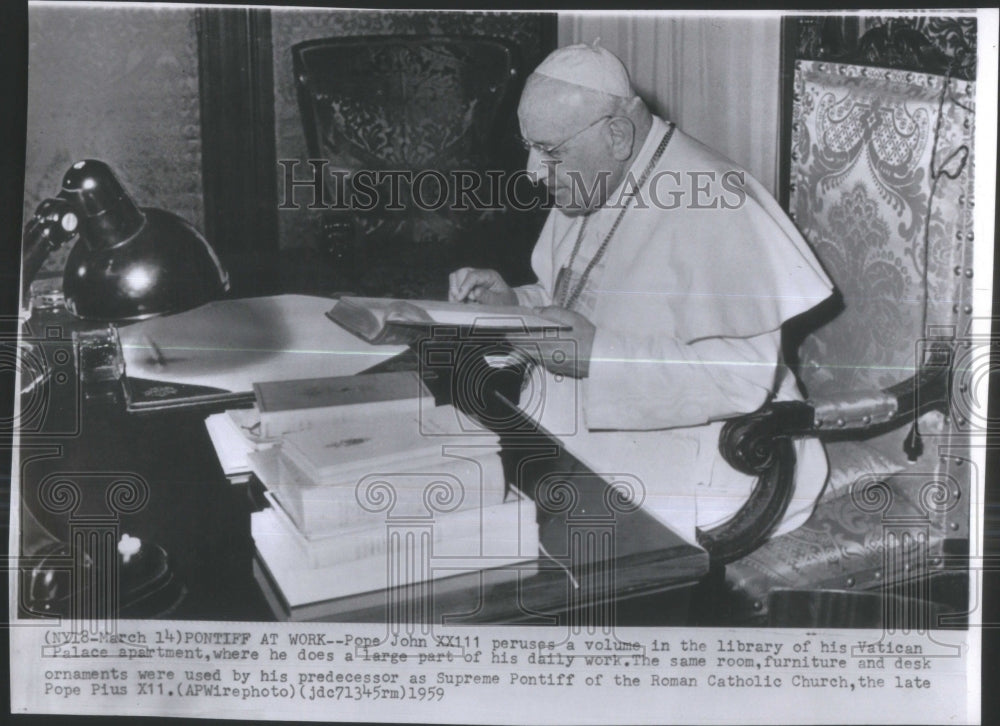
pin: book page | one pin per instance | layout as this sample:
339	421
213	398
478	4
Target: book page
233	344
473	315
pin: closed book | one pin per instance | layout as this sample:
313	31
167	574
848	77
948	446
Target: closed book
504	544
294	405
461	477
344	544
360	443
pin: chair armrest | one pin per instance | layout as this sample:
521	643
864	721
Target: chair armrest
760	444
747	442
928	390
751	526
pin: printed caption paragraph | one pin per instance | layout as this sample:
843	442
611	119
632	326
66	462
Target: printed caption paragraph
372	671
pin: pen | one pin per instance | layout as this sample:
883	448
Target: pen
157	353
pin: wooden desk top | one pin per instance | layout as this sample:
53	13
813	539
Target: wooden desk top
601	553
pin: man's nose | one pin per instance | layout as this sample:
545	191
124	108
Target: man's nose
536	166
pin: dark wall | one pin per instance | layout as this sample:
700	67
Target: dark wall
121	85
534	36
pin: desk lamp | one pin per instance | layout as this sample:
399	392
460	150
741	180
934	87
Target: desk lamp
127	263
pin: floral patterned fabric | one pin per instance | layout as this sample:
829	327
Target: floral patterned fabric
869	149
406	105
927	43
881	186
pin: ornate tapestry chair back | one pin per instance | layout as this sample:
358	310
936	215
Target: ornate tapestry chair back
422	106
881	186
880	183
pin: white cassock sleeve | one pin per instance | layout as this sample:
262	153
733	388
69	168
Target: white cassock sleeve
654	382
533	296
539	294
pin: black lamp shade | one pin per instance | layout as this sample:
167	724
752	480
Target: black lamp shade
166	268
131	263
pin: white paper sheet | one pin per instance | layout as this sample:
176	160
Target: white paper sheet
231	344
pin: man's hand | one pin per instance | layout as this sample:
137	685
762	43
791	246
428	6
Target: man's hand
471	284
569	354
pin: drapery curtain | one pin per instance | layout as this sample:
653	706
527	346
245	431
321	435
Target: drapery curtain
717	77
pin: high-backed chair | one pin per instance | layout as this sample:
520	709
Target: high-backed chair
881	182
424	107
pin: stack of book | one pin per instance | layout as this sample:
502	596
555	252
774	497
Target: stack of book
382	491
283	407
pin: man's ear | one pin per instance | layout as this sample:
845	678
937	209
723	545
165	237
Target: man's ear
622	132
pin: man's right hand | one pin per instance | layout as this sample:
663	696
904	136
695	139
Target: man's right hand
471	284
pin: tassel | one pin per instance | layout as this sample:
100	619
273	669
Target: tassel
914	444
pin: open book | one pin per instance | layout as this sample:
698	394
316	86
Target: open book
392	321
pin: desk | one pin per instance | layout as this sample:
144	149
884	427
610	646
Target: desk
626	567
607	561
82	434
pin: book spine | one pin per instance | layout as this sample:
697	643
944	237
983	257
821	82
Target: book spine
355	319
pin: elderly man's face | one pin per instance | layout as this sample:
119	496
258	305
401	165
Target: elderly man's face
552	112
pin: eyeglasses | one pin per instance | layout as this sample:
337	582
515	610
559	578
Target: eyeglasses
551	149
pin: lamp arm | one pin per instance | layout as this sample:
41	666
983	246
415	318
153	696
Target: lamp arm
53	225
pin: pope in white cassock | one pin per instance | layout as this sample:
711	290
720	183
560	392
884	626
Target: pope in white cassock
676	270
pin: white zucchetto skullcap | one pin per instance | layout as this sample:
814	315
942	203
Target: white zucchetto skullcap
589	66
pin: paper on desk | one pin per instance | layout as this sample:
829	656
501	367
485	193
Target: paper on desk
231	344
